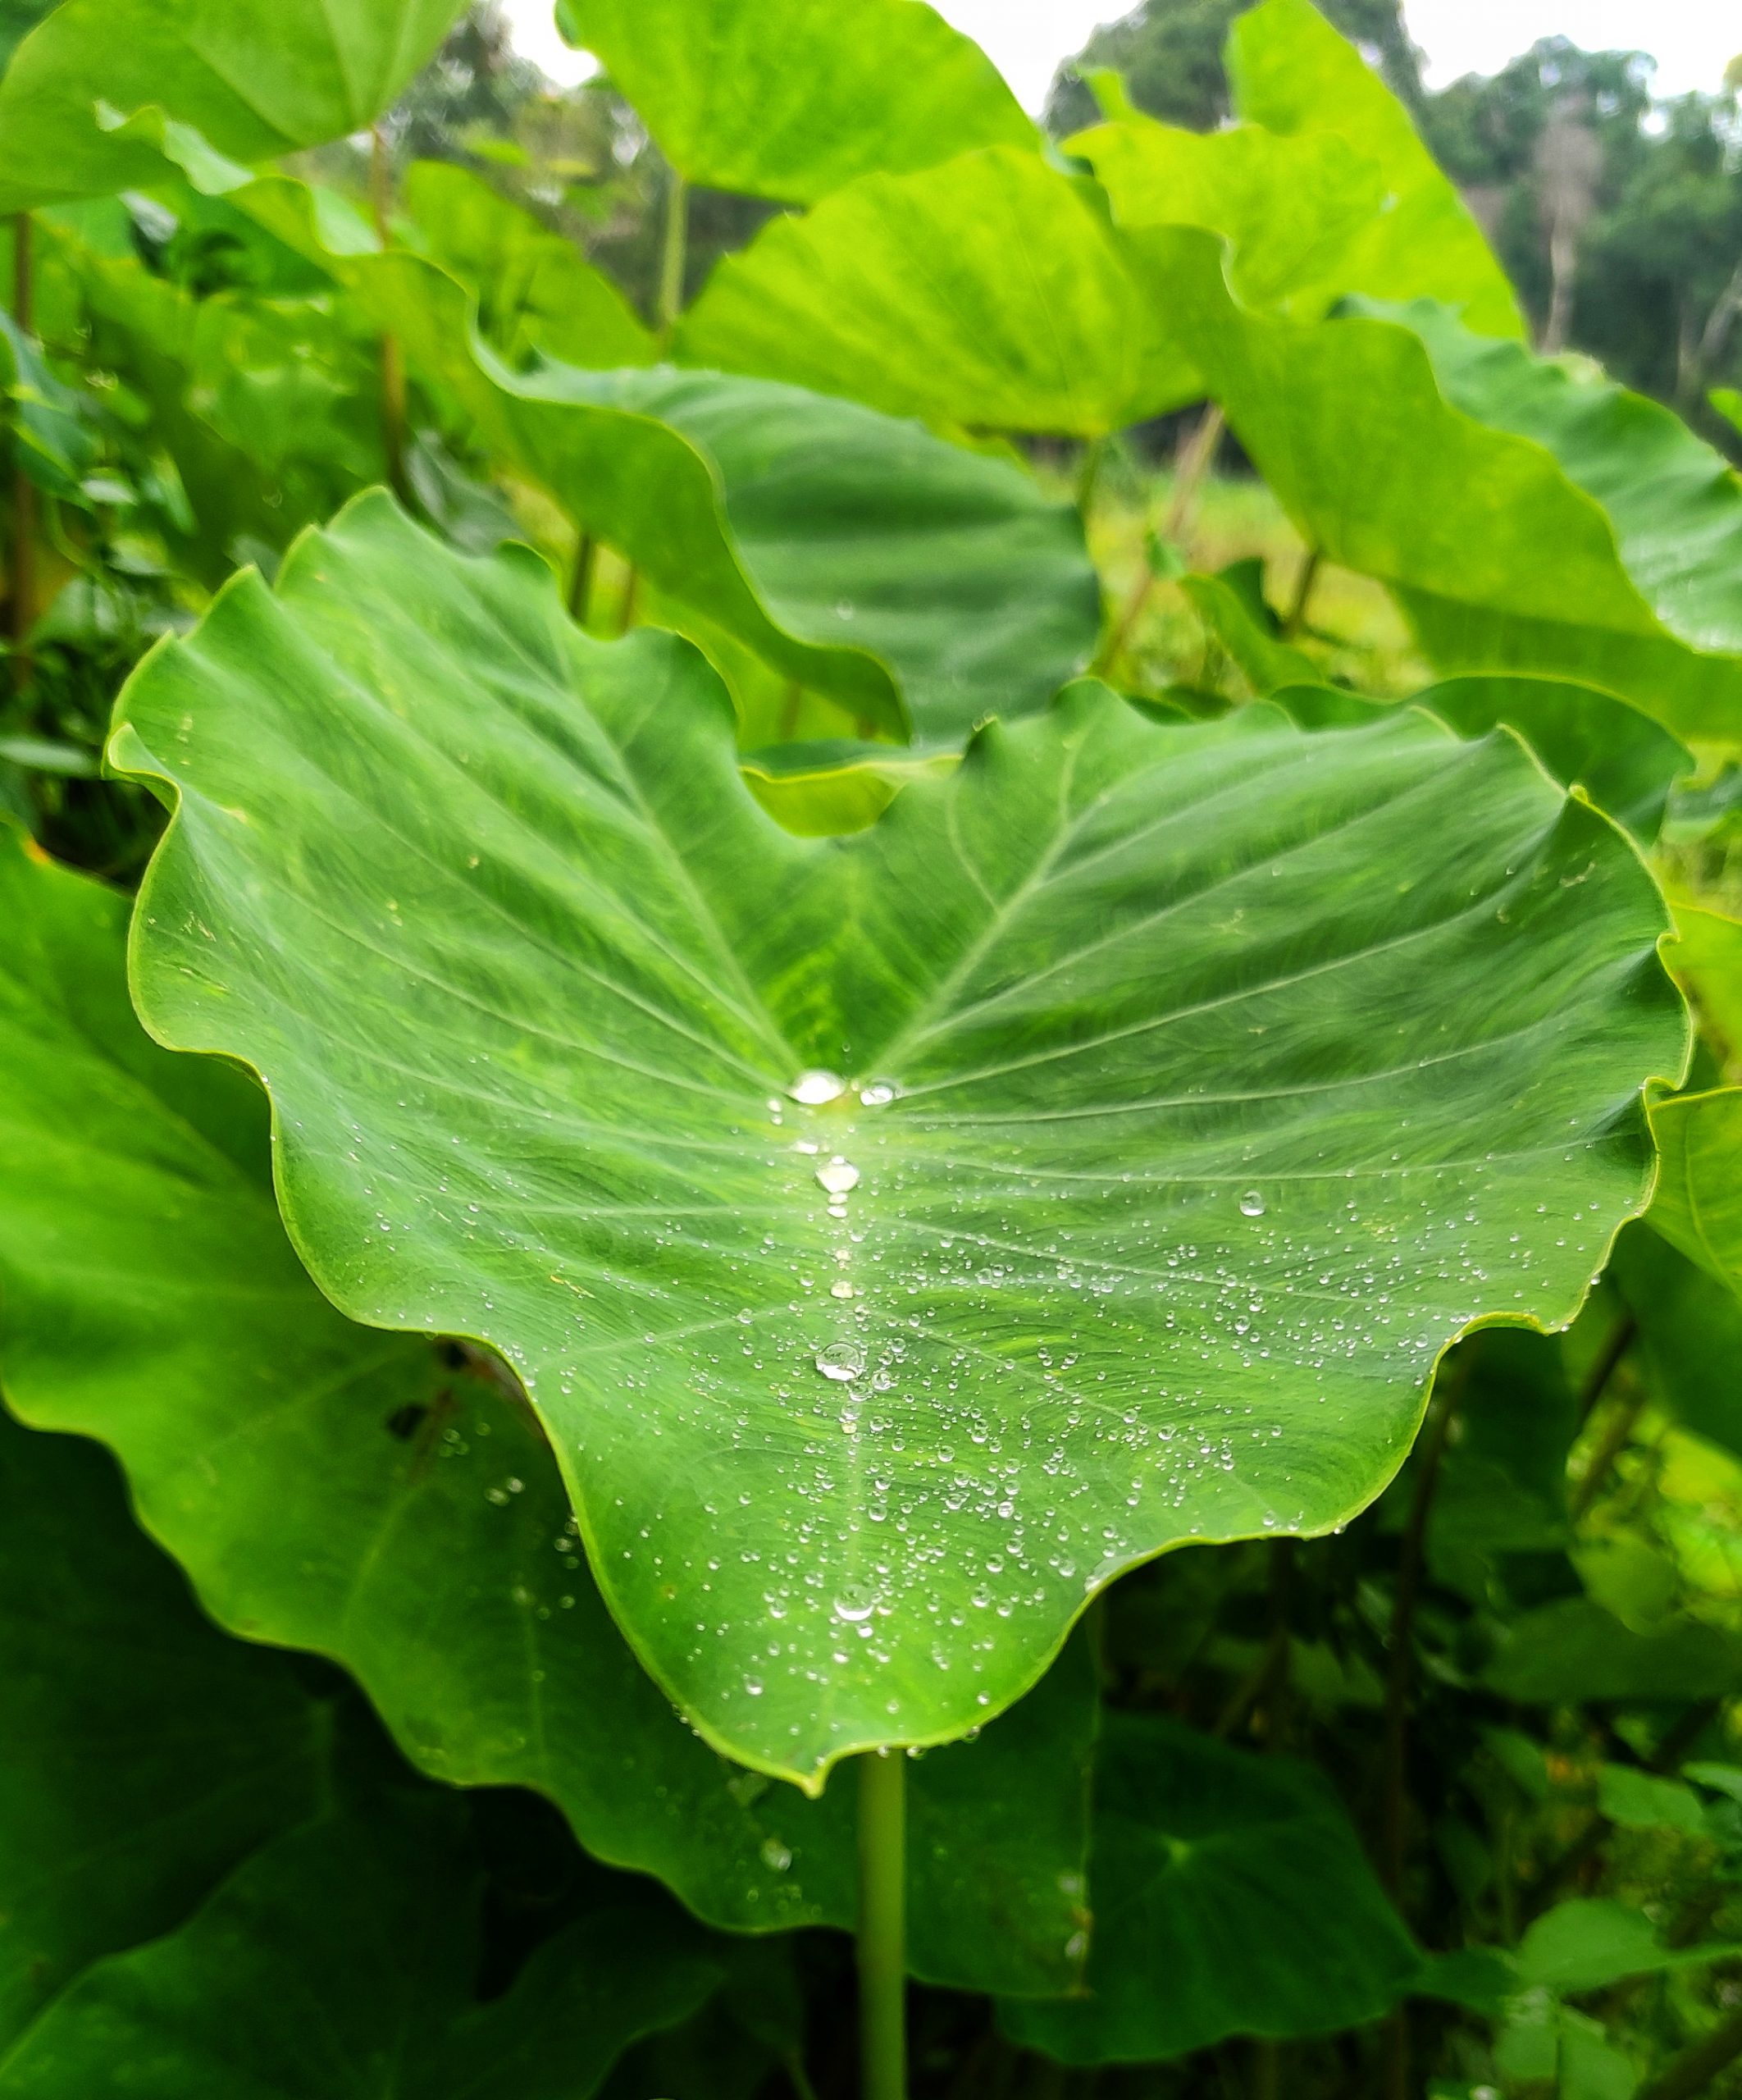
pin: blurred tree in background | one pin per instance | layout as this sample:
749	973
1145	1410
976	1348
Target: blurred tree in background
1619	218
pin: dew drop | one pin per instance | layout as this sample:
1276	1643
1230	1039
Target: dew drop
877	1093
838	1176
775	1856
841	1361
814	1088
854	1605
1251	1204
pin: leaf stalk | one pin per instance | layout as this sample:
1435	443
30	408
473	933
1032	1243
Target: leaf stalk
882	1930
21	594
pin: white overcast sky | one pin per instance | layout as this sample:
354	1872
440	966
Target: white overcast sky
1692	40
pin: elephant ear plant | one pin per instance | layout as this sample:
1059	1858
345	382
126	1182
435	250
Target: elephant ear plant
700	1080
898	1236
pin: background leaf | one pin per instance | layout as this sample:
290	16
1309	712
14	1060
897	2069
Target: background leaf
1231	1897
820	90
253	79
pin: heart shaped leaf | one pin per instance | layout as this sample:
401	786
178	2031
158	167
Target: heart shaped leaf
331	1488
1231	1897
1195	1108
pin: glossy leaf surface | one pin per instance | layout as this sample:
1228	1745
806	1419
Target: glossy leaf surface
342	1959
919	585
1231	1897
331	1488
790	98
535	988
253	77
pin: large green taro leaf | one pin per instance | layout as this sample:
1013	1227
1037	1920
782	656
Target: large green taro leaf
534	290
1698	1206
1293	74
344	1959
1707	962
921	586
1503	560
790	98
331	1488
254	77
990	292
1195	1107
142	1754
1231	1897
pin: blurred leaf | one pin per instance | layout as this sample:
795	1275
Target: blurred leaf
1706	961
1250	635
921	586
1293	74
1698	1206
550	959
821	91
52	439
819	791
1231	1897
899	291
1290	208
1573	1649
1641	1800
142	1754
253	77
1590	1942
344	1959
535	290
1691	1333
1501	1488
331	1488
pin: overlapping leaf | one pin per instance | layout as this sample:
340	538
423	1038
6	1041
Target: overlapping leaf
790	98
990	292
1133	1227
1291	73
1502	561
535	290
345	1959
1231	1897
331	1488
1698	1206
143	1755
252	77
920	586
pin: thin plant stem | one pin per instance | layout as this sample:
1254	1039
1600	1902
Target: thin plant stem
797	2077
627	605
1267	2067
882	1952
1295	617
21	608
393	358
580	578
1195	461
1620	1339
674	256
1614	1441
1088	475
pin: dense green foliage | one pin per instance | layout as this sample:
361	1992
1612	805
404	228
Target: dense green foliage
697	1078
